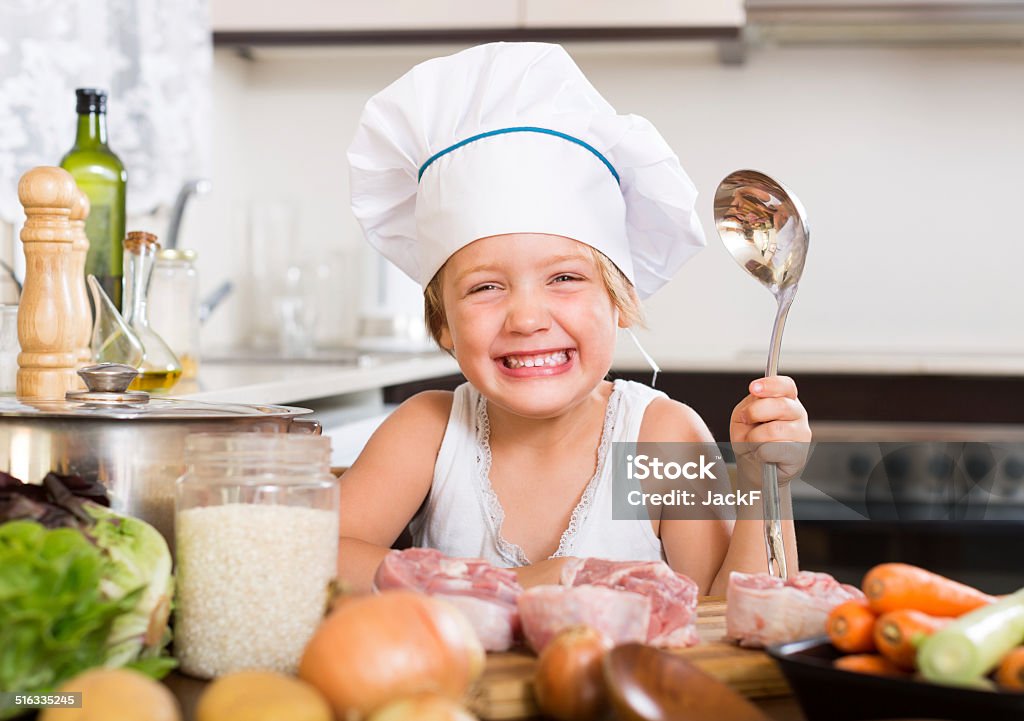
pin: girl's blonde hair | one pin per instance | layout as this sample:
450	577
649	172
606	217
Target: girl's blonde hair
620	290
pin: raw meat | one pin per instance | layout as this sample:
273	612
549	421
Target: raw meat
762	610
485	594
673	596
547	610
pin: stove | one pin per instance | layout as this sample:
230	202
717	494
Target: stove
894	472
946	497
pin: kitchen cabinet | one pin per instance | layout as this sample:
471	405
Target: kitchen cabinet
327	21
638	13
354	15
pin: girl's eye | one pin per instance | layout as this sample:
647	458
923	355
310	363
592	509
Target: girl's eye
564	277
484	286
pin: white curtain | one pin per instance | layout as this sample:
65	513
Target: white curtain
154	59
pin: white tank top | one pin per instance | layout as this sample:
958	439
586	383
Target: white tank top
462	515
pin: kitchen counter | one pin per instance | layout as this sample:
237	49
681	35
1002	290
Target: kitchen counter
855	362
289	382
344	389
285	382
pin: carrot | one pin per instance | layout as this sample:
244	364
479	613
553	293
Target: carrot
1010	673
849	627
899	633
894	586
870	663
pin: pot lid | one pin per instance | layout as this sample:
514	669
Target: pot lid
107	397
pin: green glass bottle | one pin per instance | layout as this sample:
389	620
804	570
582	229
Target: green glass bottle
101	176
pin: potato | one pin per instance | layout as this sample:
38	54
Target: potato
261	696
116	694
426	707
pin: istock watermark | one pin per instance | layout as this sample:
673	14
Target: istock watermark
642	466
645	467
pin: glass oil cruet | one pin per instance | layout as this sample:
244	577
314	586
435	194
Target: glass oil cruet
112	340
160	368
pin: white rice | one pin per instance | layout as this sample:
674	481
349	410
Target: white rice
252	585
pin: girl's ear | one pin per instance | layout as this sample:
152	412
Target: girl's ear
620	318
445	338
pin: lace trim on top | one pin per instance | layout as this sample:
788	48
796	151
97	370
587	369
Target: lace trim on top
513	552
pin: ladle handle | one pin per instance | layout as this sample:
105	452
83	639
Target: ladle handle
785	298
773	540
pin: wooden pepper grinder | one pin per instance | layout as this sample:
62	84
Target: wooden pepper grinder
79	292
47	324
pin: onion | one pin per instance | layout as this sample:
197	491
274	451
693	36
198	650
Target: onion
375	649
569	683
428	707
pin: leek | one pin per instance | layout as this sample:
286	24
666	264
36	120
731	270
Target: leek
974	644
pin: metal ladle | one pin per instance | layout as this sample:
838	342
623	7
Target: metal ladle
765	228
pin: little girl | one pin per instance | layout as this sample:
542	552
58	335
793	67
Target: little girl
535	218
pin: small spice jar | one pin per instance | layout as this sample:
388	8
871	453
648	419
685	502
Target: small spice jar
256	537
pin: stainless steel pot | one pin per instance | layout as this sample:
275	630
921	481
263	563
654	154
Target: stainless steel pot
131	443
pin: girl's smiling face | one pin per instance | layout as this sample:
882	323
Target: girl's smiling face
530	321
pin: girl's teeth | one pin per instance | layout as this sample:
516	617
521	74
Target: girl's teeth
553	359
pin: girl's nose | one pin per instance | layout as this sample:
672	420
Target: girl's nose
527	313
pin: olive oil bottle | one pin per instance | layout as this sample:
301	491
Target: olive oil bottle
101	176
160	369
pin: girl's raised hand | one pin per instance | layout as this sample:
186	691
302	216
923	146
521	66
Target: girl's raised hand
770	426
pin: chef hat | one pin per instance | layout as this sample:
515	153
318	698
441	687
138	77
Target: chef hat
512	138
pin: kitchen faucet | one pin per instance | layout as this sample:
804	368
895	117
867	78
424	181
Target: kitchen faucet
10	272
196	186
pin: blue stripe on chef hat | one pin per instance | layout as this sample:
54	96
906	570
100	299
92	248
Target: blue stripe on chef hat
503	131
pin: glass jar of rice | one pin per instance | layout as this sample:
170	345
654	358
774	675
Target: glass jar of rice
256	538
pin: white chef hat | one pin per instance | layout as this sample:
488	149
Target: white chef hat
512	138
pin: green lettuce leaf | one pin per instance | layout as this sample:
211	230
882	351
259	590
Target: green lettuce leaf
55	621
75	599
141	560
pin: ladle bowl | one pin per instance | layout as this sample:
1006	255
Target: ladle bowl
764	227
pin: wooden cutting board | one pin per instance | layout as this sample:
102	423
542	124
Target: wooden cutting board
505	690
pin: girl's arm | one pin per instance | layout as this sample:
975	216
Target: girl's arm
695	548
709	550
769	425
387	484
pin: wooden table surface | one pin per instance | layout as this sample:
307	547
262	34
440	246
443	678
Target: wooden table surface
188	689
504	691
